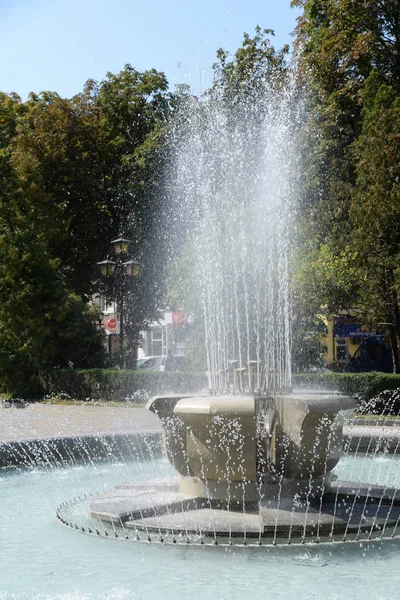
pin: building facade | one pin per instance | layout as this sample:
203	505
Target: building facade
345	334
168	335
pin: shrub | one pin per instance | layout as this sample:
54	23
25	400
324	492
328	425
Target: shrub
376	392
119	385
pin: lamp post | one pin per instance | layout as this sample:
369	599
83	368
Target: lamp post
117	272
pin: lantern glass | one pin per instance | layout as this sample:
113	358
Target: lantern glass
111	267
107	268
132	268
121	245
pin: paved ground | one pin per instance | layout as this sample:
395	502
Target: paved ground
367	437
47	421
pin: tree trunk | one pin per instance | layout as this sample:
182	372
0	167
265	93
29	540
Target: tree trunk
394	345
394	330
133	339
396	355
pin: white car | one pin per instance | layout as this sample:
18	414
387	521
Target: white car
152	363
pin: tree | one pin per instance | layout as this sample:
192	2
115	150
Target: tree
252	65
340	45
375	210
37	311
76	174
133	110
93	154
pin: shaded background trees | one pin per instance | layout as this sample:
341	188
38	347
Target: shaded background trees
75	174
349	57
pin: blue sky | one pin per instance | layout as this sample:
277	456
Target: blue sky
58	44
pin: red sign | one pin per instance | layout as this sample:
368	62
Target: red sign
112	323
178	318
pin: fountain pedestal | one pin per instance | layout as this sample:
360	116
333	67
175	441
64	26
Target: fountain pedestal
236	448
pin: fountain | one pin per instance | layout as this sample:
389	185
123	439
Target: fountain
254	461
252	472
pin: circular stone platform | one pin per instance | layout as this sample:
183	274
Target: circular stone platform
160	510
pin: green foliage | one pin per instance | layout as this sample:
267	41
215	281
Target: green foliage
338	43
375	210
346	38
307	347
377	393
74	175
116	385
254	63
41	324
323	276
183	291
349	57
95	155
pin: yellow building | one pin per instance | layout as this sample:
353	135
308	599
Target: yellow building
344	335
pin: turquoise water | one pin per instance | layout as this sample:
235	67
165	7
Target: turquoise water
42	560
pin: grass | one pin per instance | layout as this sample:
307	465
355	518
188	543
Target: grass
374	416
63	401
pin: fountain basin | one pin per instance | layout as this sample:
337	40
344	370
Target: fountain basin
56	562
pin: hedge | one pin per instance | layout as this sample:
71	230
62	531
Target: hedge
376	392
119	385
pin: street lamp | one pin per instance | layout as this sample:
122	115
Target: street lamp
117	273
132	268
107	268
121	245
